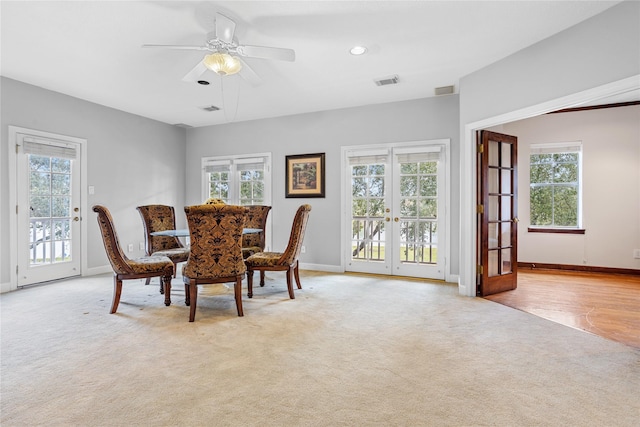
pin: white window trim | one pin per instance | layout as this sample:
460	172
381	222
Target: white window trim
560	147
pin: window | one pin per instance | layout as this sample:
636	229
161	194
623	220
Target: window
555	180
238	180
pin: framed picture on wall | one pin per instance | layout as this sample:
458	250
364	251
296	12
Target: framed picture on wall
305	175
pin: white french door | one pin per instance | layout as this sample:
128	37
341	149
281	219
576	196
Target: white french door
395	209
48	237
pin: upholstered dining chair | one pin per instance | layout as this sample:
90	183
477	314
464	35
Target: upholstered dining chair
216	250
256	218
281	261
160	218
125	268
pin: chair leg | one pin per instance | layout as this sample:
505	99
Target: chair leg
262	278
250	283
238	294
165	283
117	290
193	296
187	300
290	282
297	274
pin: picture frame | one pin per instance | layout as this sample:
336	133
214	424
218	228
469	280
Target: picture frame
305	175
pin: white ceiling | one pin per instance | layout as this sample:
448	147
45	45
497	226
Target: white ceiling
92	50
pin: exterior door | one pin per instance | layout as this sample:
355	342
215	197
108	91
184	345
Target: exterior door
497	213
48	209
397	211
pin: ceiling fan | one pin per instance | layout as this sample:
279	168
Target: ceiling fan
225	53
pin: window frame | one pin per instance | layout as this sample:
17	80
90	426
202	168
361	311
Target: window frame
557	148
234	162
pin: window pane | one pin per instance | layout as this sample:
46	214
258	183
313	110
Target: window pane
541	206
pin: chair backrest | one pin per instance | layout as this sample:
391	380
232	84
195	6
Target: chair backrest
291	254
216	241
256	218
117	258
158	218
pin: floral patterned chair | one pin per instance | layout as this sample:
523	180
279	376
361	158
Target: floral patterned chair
216	250
256	218
125	268
160	218
281	261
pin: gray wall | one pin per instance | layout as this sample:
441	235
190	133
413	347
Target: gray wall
327	132
596	52
131	160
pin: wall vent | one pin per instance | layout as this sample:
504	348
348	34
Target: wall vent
392	80
444	90
210	108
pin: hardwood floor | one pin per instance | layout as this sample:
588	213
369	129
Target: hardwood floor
607	305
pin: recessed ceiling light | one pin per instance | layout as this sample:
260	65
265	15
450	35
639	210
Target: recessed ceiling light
203	82
358	50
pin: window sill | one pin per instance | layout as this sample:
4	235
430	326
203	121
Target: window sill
556	230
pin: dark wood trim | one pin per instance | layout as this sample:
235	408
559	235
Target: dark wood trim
556	230
587	268
596	107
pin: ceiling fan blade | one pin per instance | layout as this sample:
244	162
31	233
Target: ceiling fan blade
225	28
267	52
195	73
175	46
249	75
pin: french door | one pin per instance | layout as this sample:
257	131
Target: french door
497	212
396	210
47	208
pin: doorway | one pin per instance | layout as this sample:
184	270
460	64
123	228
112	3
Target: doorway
46	231
468	153
395	209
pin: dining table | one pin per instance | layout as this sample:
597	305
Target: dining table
184	232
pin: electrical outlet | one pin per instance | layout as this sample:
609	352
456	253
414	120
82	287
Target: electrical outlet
130	247
636	253
141	246
303	250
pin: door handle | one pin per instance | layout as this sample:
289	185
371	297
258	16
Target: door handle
387	219
75	218
515	220
396	219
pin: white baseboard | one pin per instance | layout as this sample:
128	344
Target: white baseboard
322	267
98	270
5	287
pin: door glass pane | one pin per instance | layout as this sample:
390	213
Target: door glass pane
418	211
506	234
505	184
493	235
506	155
49	210
494	184
493	267
505	208
494	154
367	212
493	208
506	261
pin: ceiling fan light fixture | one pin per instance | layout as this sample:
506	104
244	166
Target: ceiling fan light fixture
222	63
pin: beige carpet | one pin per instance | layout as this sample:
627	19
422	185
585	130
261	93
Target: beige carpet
350	350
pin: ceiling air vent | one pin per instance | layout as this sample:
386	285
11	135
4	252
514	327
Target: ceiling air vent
444	90
210	108
387	81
